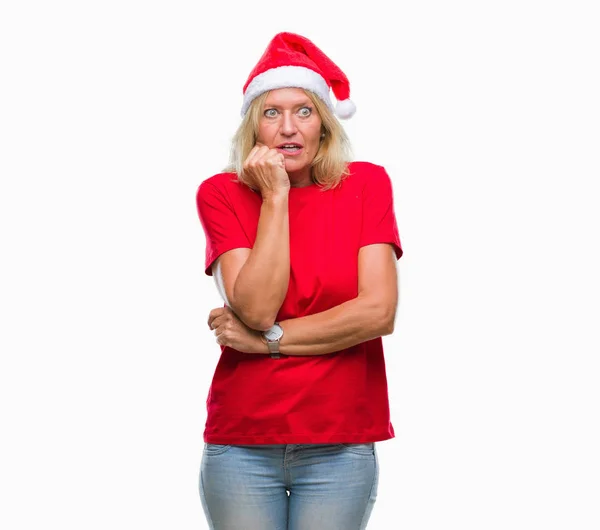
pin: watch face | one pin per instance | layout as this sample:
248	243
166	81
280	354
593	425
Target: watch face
274	333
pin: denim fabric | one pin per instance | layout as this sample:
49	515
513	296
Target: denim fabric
288	487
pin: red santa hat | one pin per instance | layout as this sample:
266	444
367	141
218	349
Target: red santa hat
292	61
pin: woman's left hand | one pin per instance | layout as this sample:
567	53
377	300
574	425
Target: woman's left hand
230	331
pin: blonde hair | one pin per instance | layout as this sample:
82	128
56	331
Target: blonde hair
330	165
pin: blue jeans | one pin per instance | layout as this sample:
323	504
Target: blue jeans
288	487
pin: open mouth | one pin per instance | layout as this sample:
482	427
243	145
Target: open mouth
290	147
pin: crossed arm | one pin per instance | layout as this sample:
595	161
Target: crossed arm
371	314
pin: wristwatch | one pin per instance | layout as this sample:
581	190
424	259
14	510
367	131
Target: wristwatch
273	336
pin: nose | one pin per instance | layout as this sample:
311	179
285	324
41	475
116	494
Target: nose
288	124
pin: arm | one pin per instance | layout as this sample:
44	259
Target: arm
371	314
255	275
256	280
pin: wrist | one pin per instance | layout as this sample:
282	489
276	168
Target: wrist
261	345
275	197
273	337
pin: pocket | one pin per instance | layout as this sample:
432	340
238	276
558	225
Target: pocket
363	449
215	449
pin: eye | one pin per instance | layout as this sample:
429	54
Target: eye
305	112
270	113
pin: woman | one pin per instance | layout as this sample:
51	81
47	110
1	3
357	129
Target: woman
303	246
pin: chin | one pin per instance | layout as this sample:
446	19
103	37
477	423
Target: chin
293	166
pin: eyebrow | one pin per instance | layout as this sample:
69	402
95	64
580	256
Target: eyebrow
304	103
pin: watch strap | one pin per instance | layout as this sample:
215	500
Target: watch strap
274	349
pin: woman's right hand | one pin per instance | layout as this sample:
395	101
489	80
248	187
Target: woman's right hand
265	169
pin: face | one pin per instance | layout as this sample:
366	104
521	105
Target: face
290	123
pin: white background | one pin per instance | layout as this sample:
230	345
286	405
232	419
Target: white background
485	114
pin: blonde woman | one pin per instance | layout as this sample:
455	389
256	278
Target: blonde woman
303	244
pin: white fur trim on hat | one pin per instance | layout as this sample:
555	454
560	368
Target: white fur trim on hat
287	77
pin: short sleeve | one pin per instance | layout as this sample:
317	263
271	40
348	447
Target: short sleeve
379	219
222	228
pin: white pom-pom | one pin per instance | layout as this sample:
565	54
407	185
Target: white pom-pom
345	109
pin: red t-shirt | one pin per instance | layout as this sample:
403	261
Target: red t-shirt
339	397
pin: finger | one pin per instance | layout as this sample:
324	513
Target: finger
220	321
221	339
275	158
255	155
261	157
215	313
251	155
